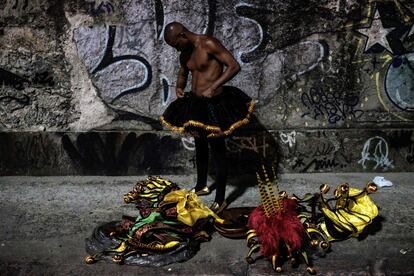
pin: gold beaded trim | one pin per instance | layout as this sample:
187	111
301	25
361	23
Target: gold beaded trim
272	203
215	131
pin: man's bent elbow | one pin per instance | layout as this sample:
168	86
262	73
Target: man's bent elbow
236	68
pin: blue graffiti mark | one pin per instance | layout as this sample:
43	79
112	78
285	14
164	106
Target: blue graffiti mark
399	82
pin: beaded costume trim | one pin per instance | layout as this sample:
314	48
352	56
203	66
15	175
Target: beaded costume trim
215	131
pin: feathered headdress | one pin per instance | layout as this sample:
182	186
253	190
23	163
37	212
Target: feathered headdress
275	222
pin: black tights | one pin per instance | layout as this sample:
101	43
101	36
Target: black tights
218	150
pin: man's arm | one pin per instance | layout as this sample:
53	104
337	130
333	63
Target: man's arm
215	48
181	79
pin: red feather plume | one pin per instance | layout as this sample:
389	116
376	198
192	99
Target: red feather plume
284	226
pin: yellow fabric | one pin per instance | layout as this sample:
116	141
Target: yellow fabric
121	247
351	213
189	207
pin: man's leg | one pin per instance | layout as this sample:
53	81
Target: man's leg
201	146
218	148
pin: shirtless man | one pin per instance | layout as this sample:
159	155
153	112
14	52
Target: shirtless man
205	57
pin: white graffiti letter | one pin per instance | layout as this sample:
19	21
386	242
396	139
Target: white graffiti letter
188	143
376	150
288	138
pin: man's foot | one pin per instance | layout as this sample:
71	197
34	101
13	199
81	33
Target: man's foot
203	191
218	208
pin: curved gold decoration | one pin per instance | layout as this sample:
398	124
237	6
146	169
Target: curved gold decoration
324	188
89	259
371	187
117	258
311	270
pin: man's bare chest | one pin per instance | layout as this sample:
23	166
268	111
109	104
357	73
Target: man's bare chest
198	60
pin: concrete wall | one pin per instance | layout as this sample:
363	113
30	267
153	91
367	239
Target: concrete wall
83	83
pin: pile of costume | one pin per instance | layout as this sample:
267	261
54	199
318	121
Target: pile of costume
169	227
291	228
172	222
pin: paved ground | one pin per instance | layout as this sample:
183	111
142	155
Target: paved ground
44	221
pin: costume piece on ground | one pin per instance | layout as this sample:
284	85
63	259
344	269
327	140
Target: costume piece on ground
217	116
289	227
189	207
235	222
353	211
169	227
275	229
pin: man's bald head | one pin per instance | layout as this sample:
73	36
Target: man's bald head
173	32
173	29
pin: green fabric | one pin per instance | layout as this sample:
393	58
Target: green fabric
156	216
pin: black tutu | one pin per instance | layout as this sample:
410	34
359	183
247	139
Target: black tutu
217	116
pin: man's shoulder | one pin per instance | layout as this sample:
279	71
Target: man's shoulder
207	41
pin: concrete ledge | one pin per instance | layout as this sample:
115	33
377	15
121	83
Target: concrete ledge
163	152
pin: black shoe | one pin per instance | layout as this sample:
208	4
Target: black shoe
217	208
203	191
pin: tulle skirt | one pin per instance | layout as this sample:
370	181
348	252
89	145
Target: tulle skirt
217	116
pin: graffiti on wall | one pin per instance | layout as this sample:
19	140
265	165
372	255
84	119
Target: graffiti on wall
165	90
159	18
237	144
383	41
134	67
19	7
188	143
399	82
14	95
333	105
322	151
268	20
375	152
316	164
101	7
124	67
288	138
109	59
132	153
324	162
240	144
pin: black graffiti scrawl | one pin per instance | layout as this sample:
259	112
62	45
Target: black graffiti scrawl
333	105
109	59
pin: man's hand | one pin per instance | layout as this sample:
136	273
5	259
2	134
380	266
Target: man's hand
179	92
209	92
